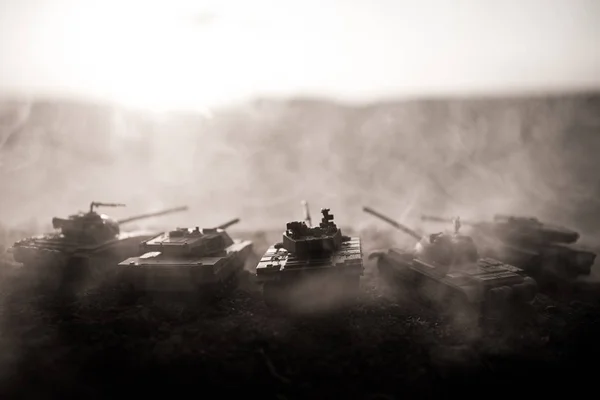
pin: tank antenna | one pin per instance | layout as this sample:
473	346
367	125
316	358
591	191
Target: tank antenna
307	218
98	204
456	225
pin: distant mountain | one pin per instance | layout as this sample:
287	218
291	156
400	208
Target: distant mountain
259	159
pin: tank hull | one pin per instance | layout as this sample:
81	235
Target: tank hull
544	261
283	274
170	275
54	262
485	286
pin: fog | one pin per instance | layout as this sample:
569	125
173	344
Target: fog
258	160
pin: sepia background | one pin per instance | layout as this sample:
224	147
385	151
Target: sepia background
240	109
245	108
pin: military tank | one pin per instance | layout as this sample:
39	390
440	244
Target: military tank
83	243
446	268
309	259
546	252
186	261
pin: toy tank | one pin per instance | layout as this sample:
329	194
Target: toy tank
447	268
544	251
188	261
309	257
82	240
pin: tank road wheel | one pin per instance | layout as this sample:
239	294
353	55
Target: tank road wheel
128	294
232	282
525	292
385	270
351	289
225	287
463	311
274	295
72	275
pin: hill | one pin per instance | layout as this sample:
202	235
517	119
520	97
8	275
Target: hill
258	160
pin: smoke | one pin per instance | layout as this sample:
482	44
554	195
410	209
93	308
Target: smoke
257	161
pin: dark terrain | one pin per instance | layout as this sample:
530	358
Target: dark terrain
387	346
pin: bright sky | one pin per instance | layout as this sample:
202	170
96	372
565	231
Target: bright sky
177	53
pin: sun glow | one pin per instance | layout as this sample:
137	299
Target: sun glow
155	60
185	54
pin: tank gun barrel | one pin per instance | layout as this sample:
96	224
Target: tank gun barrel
228	223
432	218
307	218
395	224
154	214
100	204
445	220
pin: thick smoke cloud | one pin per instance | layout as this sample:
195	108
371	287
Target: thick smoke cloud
258	160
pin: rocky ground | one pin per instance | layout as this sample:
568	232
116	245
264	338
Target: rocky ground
387	346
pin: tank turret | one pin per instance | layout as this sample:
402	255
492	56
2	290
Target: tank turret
443	250
187	242
304	240
92	227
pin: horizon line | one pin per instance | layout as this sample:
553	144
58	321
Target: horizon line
528	94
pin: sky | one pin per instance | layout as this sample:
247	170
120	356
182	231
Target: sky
191	54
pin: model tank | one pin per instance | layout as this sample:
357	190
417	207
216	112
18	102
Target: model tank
544	251
446	267
315	256
83	243
186	261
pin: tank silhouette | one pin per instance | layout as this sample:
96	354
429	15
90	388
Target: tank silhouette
84	243
321	255
189	261
544	251
446	267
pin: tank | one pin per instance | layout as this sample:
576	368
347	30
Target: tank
546	252
83	243
311	263
447	268
187	261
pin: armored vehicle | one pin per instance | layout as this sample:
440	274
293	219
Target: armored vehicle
84	243
186	261
544	251
309	259
447	269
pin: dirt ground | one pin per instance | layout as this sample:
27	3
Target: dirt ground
387	346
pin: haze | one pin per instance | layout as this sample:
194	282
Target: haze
257	159
192	54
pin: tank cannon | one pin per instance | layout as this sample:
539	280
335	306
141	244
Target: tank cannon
310	253
447	266
228	223
152	215
543	250
185	260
